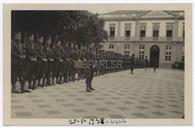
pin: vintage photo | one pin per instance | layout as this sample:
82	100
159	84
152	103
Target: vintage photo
97	67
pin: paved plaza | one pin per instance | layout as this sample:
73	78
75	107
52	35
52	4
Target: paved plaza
117	95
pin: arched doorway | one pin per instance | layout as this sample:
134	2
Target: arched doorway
154	53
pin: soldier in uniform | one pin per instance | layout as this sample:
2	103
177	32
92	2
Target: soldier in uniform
146	63
132	63
155	64
17	63
58	61
50	61
89	71
65	63
31	61
41	62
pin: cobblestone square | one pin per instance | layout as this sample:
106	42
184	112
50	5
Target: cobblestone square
117	95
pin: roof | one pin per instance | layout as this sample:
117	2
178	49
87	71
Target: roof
124	12
145	13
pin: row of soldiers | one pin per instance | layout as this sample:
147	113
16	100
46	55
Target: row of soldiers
45	62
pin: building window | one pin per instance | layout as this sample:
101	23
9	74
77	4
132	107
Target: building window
112	30
169	33
168	53
141	55
111	46
126	53
156	27
141	51
127	30
168	56
168	47
142	29
127	46
141	47
169	30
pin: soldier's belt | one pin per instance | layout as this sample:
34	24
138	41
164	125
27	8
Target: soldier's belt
44	59
33	59
51	60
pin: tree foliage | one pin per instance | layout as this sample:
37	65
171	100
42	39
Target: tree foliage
79	27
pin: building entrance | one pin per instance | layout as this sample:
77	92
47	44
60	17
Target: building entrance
154	54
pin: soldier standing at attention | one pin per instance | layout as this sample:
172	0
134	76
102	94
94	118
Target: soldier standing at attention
31	61
58	61
146	63
132	63
41	62
50	61
17	63
65	64
89	71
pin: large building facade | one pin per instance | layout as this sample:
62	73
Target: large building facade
155	34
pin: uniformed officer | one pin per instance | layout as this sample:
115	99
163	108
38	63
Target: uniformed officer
17	63
132	63
155	64
31	61
146	63
89	71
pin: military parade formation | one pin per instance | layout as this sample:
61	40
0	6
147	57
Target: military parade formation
46	62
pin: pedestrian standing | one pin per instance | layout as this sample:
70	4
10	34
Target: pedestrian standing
132	63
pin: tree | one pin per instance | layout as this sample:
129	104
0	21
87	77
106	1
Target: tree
78	27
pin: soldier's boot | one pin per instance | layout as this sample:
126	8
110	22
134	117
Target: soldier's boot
23	86
91	88
57	80
22	83
34	84
48	81
53	78
61	80
39	83
87	85
44	82
65	78
88	89
29	84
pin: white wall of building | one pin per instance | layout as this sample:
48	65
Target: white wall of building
180	28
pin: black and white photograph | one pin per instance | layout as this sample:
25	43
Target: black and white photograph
98	66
